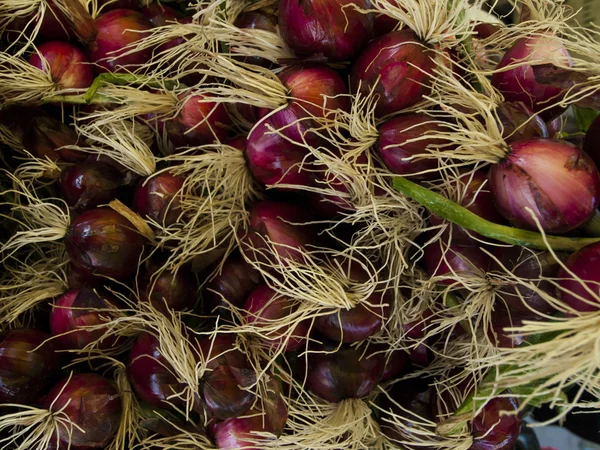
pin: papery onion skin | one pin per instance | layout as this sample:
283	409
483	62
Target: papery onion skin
80	308
559	182
103	242
115	30
264	308
68	66
86	185
27	367
574	291
150	374
346	373
504	428
394	147
45	137
404	67
333	28
519	84
158	198
520	122
92	403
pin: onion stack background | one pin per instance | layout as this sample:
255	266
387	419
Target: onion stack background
296	224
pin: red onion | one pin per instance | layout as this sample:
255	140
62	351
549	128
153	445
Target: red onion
169	290
80	308
232	285
157	197
150	374
87	185
27	366
68	66
384	24
229	373
395	146
346	373
503	319
92	404
592	140
256	20
79	278
333	28
519	84
113	31
520	122
574	290
555	179
265	308
103	242
159	15
493	430
403	65
441	259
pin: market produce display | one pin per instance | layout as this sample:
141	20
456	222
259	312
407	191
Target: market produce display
296	224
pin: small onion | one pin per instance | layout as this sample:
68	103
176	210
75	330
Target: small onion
345	373
333	28
264	308
583	276
68	66
81	308
493	430
150	374
87	185
559	182
157	198
167	291
103	242
92	404
403	66
27	365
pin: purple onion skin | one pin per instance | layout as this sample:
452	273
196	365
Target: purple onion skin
159	15
333	28
256	20
45	136
27	367
394	148
69	67
232	285
103	242
264	307
404	66
157	198
115	30
591	142
347	373
87	185
91	403
505	429
559	182
519	84
520	122
395	364
78	308
584	264
168	291
459	259
529	267
150	374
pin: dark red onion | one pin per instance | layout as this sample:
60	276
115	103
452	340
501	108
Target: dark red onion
80	308
384	24
403	66
520	122
441	259
159	15
158	197
394	148
346	373
333	28
558	181
229	373
264	308
45	136
591	142
256	20
395	364
68	66
79	278
531	267
103	242
167	291
493	430
519	84
27	367
115	30
150	375
92	404
574	290
502	319
87	185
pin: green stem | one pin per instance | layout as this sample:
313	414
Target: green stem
100	99
461	216
123	79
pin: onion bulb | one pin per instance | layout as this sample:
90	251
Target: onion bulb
86	185
68	66
580	282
